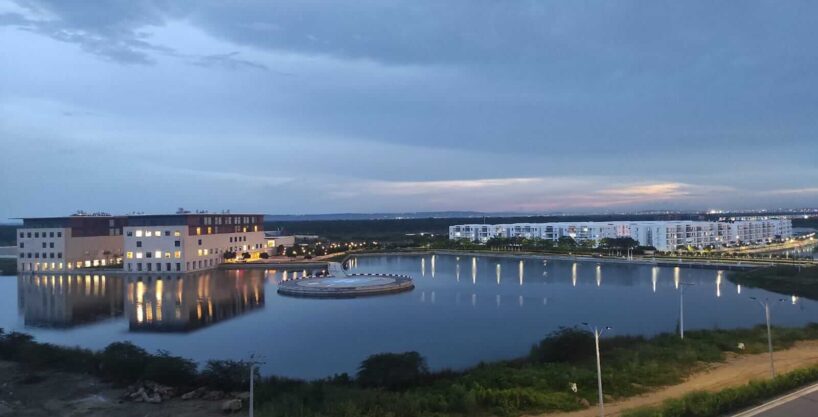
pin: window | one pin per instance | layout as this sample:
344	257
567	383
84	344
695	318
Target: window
51	255
157	233
200	242
51	234
198	230
177	233
167	254
205	252
178	266
51	245
149	265
158	254
209	230
148	254
59	255
43	245
129	255
36	234
139	255
139	265
22	245
28	255
199	252
22	235
167	267
130	233
167	232
138	243
148	233
59	234
177	254
138	233
22	255
177	243
29	235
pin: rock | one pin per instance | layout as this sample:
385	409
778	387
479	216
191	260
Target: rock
213	395
242	395
153	399
583	402
6	410
231	406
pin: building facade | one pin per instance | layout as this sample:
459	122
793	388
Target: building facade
66	243
663	235
190	242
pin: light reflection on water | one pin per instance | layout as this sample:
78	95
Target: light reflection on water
453	322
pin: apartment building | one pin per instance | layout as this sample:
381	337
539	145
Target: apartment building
66	243
189	242
663	235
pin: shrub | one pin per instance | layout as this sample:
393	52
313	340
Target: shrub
123	362
392	371
568	344
227	375
170	370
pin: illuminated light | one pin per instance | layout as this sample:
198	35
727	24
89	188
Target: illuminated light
521	272
177	254
158	296
676	277
177	233
794	299
209	230
423	267
738	289
474	270
433	265
148	233
654	277
205	251
167	254
718	283
129	255
498	274
87	264
198	230
137	233
139	255
457	272
158	254
199	252
598	276
574	274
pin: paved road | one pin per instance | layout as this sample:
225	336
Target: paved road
802	403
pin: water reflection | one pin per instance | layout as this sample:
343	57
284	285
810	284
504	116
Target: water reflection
181	303
68	300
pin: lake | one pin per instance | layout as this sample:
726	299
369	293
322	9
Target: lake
463	310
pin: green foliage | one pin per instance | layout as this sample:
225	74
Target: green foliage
392	371
170	370
714	404
566	242
123	362
568	344
227	375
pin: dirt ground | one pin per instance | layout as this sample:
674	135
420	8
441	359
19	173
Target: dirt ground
737	370
57	394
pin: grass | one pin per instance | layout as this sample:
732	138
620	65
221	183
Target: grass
730	400
786	280
399	385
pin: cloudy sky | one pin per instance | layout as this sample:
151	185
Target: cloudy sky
363	106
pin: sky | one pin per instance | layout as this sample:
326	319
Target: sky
300	107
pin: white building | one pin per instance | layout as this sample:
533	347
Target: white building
190	242
66	243
663	235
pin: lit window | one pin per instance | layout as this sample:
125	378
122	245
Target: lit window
158	254
138	233
198	230
87	264
139	255
177	233
205	252
255	228
167	254
209	230
177	254
148	233
200	252
129	255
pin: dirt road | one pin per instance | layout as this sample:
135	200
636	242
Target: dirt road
737	370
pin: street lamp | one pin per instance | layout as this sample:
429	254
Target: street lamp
682	286
766	305
253	365
597	333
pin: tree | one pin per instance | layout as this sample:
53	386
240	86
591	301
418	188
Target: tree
246	255
393	371
281	250
229	255
291	252
264	255
566	242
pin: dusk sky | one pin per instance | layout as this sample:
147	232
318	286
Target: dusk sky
393	106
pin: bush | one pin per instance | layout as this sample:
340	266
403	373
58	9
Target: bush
227	375
568	344
123	362
392	371
170	370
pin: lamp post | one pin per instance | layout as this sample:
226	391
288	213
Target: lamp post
766	306
682	286
597	333
253	365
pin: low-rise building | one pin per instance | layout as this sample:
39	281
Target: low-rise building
66	243
663	235
190	242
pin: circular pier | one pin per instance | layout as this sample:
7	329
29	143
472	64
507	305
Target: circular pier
354	285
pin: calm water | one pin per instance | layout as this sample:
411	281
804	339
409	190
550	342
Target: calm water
461	311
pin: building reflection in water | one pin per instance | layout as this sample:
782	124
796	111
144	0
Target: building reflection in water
68	300
181	303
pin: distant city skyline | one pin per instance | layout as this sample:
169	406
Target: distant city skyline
407	106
